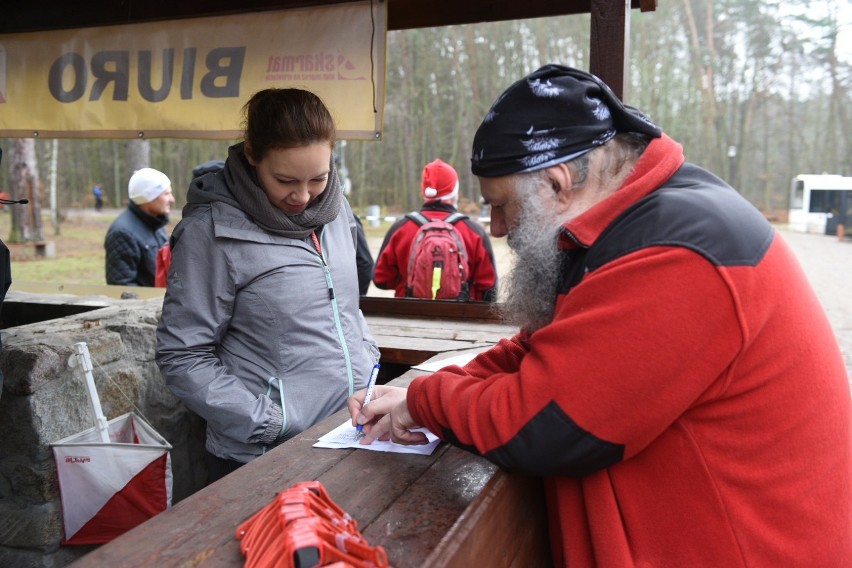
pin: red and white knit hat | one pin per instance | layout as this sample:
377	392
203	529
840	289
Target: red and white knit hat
440	181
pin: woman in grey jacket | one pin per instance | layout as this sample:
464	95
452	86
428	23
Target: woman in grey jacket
261	332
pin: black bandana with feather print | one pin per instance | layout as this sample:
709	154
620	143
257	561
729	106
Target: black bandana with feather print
552	115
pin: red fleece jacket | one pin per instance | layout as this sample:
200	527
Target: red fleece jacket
684	409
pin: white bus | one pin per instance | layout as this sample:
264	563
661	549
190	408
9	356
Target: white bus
819	202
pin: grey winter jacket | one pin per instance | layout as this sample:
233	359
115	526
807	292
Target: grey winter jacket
259	335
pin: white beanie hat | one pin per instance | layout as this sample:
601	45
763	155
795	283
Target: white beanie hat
147	184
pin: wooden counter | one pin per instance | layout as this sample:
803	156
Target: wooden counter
410	331
450	508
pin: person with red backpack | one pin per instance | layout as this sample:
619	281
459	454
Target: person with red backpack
437	253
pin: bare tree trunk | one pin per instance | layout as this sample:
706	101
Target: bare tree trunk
24	182
409	130
138	157
838	164
702	55
117	190
54	208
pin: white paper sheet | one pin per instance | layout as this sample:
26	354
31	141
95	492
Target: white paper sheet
344	437
459	360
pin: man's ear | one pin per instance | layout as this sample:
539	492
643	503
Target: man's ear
559	179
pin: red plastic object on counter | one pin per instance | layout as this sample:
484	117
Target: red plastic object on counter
303	527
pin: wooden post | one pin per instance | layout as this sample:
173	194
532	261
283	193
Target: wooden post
608	49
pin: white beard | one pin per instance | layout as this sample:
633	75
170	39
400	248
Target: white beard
532	283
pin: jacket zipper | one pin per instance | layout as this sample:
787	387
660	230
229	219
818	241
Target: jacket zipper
335	309
571	236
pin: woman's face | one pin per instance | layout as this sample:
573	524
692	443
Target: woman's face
293	177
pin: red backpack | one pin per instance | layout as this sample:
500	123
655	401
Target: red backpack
438	267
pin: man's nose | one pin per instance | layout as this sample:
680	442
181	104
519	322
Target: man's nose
498	225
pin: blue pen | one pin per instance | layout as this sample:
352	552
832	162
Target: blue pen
370	384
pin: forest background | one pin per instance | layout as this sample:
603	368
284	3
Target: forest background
757	91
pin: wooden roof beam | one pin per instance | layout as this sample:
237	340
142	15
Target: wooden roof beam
402	14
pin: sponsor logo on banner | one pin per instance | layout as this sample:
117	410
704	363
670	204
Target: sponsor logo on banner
312	67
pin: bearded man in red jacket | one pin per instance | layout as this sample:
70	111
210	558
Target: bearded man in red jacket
675	383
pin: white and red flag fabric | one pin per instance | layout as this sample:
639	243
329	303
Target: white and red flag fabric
108	488
112	477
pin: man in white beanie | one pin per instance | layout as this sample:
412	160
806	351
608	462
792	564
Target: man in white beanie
134	238
440	191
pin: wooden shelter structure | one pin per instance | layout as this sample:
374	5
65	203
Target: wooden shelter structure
609	18
608	50
448	509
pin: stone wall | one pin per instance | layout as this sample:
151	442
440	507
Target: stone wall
44	399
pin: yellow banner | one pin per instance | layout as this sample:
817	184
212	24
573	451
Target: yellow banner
190	78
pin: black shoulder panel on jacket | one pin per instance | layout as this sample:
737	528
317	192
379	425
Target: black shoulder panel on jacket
552	444
694	210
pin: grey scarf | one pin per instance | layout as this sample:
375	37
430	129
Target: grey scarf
242	181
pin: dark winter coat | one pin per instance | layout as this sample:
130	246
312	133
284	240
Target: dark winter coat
131	244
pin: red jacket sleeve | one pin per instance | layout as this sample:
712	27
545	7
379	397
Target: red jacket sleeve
622	359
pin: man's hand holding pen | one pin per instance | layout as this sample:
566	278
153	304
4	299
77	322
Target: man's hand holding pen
385	416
